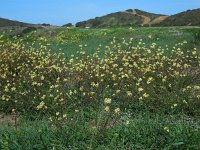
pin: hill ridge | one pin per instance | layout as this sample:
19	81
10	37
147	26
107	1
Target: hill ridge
136	17
7	22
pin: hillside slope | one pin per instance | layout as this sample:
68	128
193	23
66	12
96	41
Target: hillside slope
7	22
187	18
130	17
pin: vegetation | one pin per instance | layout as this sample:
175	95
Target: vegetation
127	18
141	18
68	25
187	18
116	88
6	22
112	20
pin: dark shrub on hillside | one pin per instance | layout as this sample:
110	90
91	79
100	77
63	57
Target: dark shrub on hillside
45	24
28	30
68	25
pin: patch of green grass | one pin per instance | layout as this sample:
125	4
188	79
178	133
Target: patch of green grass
68	40
140	131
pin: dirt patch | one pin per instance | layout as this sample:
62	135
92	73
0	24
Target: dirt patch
193	72
158	20
10	120
146	20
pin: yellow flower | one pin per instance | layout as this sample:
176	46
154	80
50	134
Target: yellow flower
127	122
117	110
42	77
149	80
81	88
107	108
41	105
196	87
43	97
129	93
140	89
70	92
145	95
117	91
107	100
150	36
184	101
194	52
13	88
59	118
166	129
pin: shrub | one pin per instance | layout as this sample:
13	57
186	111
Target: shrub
29	78
135	78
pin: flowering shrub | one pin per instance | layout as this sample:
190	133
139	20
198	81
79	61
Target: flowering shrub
31	79
137	77
123	76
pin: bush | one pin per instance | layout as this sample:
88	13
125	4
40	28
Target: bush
30	78
136	79
28	30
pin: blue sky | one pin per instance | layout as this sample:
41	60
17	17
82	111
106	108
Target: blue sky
59	12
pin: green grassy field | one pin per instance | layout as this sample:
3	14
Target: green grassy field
112	88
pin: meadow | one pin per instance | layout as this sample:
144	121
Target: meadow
110	88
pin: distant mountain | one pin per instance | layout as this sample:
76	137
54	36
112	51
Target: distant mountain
135	17
186	18
7	22
130	17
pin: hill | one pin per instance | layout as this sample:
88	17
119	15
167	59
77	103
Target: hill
186	18
136	17
7	22
130	17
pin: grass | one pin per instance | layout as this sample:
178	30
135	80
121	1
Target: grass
144	131
68	40
139	89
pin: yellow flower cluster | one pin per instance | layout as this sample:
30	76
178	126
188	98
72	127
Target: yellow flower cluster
124	72
107	100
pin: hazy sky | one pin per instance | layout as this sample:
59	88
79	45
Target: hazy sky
59	12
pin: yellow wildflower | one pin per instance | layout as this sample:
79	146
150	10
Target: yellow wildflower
107	100
117	110
107	108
